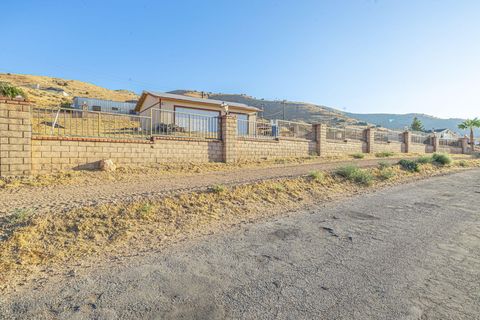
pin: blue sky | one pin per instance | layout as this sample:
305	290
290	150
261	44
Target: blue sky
395	56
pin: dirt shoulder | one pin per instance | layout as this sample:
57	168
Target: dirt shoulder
143	186
405	252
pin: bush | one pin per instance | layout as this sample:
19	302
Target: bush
476	155
409	165
425	160
358	155
355	174
384	154
463	163
218	188
316	175
7	90
442	159
386	173
383	165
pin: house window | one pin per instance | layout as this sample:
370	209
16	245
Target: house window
196	119
242	123
96	108
115	109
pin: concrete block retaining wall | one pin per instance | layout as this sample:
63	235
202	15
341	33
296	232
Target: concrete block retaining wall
22	154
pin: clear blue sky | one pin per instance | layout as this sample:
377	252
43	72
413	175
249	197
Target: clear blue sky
395	56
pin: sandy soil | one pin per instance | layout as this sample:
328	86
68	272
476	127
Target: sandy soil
65	197
406	252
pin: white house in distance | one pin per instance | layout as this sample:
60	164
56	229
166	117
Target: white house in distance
173	111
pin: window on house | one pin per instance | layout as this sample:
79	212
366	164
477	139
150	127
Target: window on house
96	108
196	119
242	123
115	109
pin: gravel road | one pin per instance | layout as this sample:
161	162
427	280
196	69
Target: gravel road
64	197
407	252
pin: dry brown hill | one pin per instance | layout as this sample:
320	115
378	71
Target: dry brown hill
51	92
273	109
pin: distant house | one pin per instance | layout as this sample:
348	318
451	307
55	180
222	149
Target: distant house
91	104
445	133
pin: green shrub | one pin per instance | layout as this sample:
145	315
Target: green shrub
441	158
476	155
463	163
386	174
425	160
7	90
355	174
383	165
316	175
218	188
384	154
409	165
20	216
278	187
358	155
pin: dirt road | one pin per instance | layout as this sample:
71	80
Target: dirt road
408	252
58	198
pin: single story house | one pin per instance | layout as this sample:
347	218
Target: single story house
169	110
92	104
445	134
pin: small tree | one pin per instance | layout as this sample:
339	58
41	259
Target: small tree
417	125
470	124
7	90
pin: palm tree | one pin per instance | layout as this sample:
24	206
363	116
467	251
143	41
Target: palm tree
470	124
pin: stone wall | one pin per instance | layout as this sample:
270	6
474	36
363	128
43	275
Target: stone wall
15	137
257	149
51	154
447	149
338	148
419	148
393	146
22	154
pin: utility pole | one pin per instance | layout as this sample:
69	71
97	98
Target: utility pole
262	112
284	102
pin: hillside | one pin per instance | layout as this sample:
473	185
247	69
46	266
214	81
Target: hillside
400	121
273	109
51	92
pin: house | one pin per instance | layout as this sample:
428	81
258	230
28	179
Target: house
173	111
92	104
445	134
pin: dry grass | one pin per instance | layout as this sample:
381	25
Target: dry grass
44	98
30	242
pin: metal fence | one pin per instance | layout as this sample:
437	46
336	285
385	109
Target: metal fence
421	139
256	129
389	136
76	123
346	134
181	124
295	130
449	143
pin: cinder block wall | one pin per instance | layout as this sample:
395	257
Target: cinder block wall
254	149
22	154
50	155
15	137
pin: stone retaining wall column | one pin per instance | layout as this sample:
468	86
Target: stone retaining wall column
15	138
464	144
370	136
407	136
435	143
320	137
229	138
